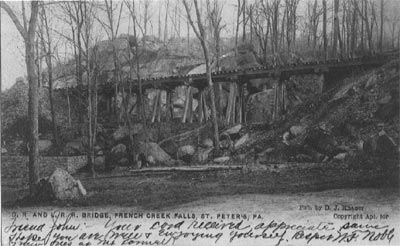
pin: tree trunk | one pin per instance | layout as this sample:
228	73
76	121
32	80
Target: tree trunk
213	109
200	33
169	106
353	31
28	34
335	27
237	26
33	109
53	114
324	30
244	20
166	23
47	49
362	25
186	109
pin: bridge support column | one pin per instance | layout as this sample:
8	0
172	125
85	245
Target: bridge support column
280	101
156	108
241	104
231	107
187	113
200	107
283	98
205	107
169	106
321	82
276	95
159	106
142	105
244	101
190	109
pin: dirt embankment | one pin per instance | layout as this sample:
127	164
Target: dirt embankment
355	122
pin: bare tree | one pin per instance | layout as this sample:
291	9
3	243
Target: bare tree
74	18
239	12
291	12
214	14
324	23
201	35
260	16
275	23
87	14
381	28
146	17
314	13
48	48
393	19
336	31
111	27
27	29
367	24
166	22
354	33
134	65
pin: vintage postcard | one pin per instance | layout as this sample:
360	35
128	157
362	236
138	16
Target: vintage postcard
200	122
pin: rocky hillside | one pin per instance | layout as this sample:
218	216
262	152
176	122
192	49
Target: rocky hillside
356	122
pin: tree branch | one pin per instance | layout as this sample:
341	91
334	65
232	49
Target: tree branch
33	19
190	20
14	18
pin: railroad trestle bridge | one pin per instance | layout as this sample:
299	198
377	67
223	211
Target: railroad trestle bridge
239	82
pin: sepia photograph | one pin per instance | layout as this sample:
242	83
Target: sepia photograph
200	122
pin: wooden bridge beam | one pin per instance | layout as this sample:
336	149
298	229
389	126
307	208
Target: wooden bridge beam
230	109
169	106
156	104
188	104
200	107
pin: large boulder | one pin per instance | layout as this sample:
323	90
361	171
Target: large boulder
372	80
202	154
297	130
232	130
123	131
367	146
153	149
387	111
123	162
241	141
74	147
340	157
44	145
119	149
321	142
303	158
118	153
386	146
64	186
286	138
170	147
222	159
3	150
207	143
186	152
260	106
100	162
77	146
